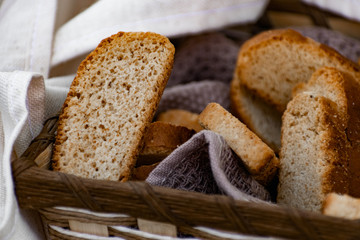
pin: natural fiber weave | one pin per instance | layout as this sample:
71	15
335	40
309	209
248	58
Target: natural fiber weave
42	189
45	190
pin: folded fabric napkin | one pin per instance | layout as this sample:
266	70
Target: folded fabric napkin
195	96
27	45
206	164
207	56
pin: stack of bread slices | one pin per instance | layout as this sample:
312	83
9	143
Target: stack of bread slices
295	115
301	97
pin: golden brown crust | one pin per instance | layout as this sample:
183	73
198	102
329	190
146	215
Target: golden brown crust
236	107
160	140
257	42
288	39
343	90
259	159
352	88
181	117
330	83
314	153
336	178
83	82
276	34
240	108
142	172
343	206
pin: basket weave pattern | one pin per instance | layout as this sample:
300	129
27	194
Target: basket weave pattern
45	190
42	189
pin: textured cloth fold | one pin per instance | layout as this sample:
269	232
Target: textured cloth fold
206	164
195	96
22	97
202	71
170	18
26	30
208	56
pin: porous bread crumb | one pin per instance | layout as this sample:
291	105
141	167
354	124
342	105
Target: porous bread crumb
313	156
111	100
258	158
273	62
256	114
330	83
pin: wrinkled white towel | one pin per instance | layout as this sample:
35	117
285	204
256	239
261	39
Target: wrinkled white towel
170	18
22	101
29	41
346	8
30	46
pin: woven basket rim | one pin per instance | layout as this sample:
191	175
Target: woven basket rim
38	188
41	189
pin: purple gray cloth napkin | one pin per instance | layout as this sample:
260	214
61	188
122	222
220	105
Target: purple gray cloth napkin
206	164
203	69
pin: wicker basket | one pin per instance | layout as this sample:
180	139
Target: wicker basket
117	207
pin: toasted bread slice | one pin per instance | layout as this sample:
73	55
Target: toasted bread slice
330	83
111	101
181	117
314	147
343	90
259	159
272	63
140	173
261	118
352	88
160	140
344	206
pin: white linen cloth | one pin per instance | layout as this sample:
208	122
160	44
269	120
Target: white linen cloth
26	29
30	45
169	18
34	40
347	8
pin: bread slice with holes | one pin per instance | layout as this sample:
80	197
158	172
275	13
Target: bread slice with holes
272	63
256	114
258	158
109	105
314	156
160	139
343	90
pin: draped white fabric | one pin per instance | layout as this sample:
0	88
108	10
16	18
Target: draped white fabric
39	35
347	8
